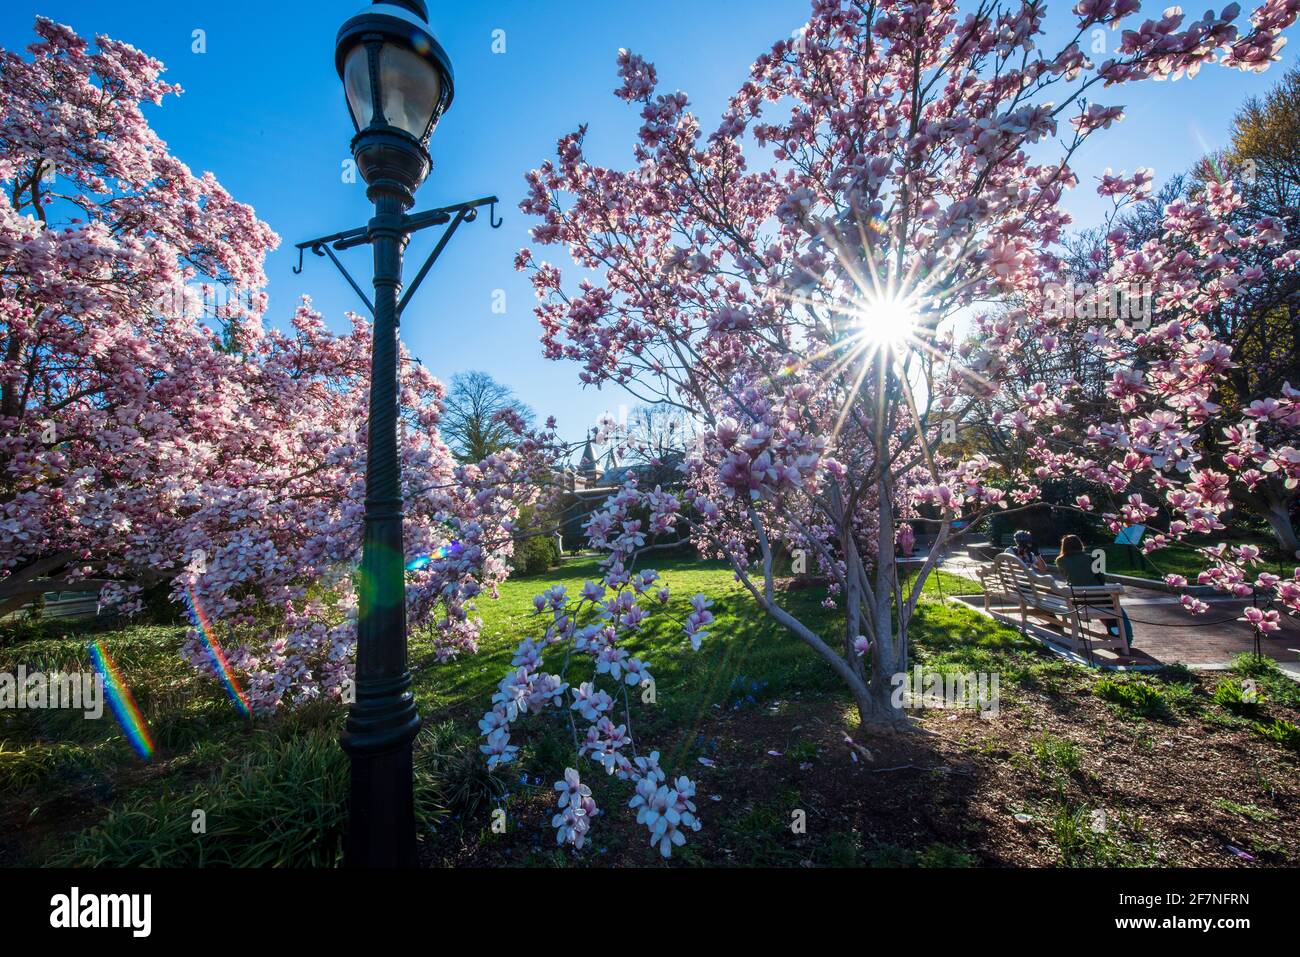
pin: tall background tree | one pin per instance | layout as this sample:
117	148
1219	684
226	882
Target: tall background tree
474	423
1263	323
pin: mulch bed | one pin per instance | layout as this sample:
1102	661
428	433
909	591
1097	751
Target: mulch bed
959	784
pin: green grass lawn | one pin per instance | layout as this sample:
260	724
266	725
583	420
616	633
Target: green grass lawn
684	678
766	715
1174	560
1183	559
745	645
50	757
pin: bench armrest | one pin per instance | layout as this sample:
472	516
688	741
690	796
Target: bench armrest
1088	591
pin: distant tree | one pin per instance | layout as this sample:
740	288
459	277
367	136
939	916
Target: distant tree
1266	140
472	422
536	549
1262	319
655	430
649	441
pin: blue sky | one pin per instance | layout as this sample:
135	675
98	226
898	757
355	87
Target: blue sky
263	109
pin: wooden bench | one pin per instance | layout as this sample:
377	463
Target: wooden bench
1071	608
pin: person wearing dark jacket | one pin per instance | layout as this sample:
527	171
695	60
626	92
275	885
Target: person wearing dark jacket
1024	549
1076	565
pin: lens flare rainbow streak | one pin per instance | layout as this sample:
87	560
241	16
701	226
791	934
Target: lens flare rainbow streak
121	701
208	635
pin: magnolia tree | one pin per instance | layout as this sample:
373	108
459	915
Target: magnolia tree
847	272
1162	449
272	531
100	231
144	445
1245	299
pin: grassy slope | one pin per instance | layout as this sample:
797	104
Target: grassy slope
687	682
271	791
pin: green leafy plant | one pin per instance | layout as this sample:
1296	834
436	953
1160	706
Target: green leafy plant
45	764
1250	665
1281	731
450	774
802	751
1236	697
1083	843
1140	697
944	856
1249	811
1268	677
1057	753
280	805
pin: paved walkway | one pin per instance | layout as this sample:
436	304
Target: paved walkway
1164	633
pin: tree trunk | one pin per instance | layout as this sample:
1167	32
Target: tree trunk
873	696
1278	514
881	708
879	712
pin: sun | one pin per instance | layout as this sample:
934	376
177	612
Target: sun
887	321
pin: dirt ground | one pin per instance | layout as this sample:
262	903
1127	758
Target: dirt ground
1187	791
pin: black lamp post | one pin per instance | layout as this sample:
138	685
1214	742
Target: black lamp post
398	82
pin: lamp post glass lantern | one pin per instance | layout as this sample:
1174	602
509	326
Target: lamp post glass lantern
397	82
409	83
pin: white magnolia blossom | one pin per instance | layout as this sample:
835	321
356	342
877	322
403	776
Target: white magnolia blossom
592	626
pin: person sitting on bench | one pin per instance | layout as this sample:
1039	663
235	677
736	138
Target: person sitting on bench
1024	549
1076	565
